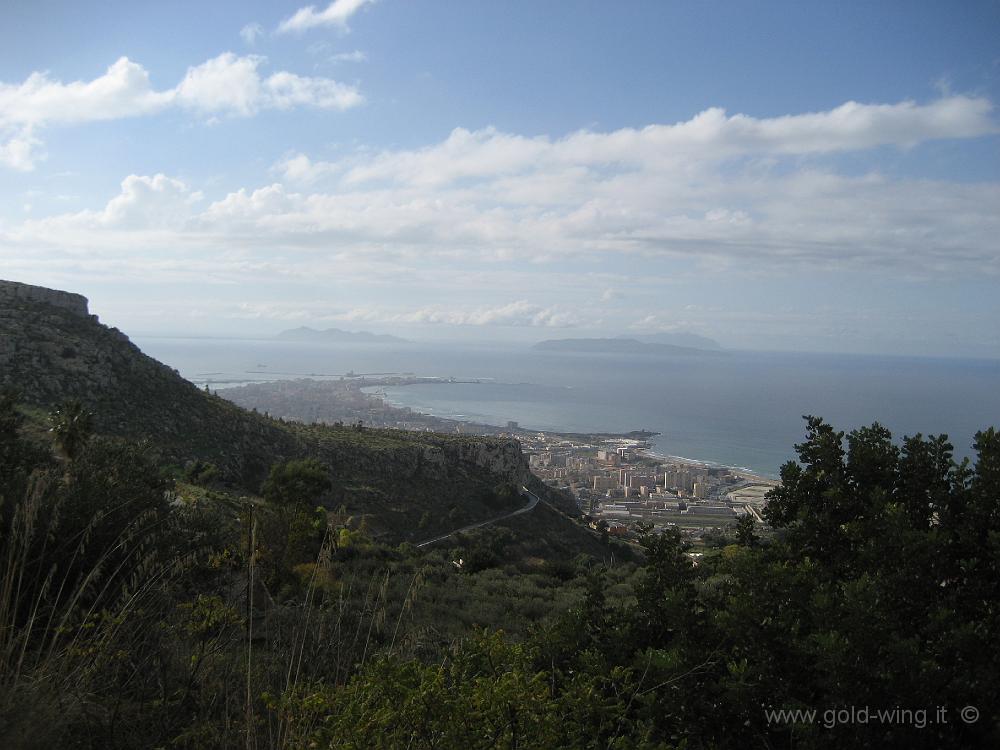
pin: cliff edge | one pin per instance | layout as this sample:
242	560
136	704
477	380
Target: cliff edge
14	292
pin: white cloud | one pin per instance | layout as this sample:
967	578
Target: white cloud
300	169
286	90
253	207
294	311
452	232
514	314
337	13
464	154
224	83
251	33
518	314
231	84
660	324
357	56
20	150
227	84
710	135
144	203
123	90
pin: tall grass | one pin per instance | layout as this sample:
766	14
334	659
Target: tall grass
61	618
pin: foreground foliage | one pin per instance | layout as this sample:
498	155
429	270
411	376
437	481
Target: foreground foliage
140	609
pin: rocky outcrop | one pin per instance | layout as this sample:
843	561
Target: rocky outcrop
13	293
502	458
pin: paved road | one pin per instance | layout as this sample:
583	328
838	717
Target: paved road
533	500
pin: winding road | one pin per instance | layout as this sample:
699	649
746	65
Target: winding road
533	500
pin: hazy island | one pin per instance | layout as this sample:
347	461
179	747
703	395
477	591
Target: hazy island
677	338
336	335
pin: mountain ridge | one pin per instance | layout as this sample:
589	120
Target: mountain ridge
52	351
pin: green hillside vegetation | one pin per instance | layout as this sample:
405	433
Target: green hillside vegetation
142	611
132	601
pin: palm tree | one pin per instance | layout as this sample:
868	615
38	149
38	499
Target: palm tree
71	426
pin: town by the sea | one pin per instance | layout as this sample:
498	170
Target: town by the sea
739	409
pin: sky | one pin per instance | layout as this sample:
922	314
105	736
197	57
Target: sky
776	175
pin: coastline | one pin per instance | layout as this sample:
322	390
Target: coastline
740	471
359	397
744	472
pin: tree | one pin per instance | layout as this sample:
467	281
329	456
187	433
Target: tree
745	531
292	532
663	594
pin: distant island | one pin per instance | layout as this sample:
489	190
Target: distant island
616	346
335	335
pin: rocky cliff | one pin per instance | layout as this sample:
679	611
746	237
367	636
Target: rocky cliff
14	293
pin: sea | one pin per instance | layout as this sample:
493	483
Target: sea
741	409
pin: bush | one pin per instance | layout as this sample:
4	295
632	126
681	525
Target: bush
299	482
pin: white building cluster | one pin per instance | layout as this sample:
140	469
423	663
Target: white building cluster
622	484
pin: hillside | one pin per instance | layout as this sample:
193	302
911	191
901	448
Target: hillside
52	350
